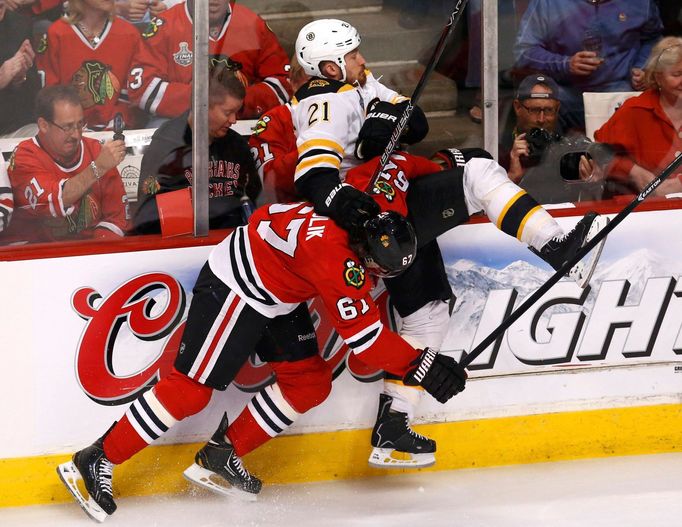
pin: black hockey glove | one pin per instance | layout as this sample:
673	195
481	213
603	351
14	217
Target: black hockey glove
382	118
349	207
438	374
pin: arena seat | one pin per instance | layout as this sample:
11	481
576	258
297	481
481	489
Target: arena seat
599	107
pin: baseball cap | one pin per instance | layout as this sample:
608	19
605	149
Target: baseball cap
527	85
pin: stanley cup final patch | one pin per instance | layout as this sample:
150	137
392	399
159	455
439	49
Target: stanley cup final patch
354	274
183	56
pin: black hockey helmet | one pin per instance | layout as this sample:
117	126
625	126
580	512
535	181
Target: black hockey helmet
387	244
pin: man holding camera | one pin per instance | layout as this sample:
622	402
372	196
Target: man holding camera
536	107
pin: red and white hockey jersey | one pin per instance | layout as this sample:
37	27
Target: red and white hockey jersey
160	80
390	189
286	255
98	71
273	146
40	214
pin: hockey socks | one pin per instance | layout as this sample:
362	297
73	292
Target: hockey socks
517	214
267	415
153	413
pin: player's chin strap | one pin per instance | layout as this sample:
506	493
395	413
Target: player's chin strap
579	255
453	20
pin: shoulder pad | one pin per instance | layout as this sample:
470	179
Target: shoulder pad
318	86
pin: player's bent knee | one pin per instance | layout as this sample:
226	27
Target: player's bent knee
304	383
182	396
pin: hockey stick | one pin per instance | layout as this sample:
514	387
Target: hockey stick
405	117
468	358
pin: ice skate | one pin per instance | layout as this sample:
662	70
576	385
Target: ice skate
395	444
217	468
560	249
92	467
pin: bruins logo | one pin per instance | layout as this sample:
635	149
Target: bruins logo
318	83
354	274
153	27
95	83
385	188
261	125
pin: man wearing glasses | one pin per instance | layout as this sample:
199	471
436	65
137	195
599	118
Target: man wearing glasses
536	106
66	186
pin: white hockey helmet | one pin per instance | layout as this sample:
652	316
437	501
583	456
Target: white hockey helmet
325	39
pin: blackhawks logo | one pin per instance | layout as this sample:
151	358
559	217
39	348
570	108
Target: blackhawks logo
153	28
354	274
150	186
95	83
385	188
261	125
42	45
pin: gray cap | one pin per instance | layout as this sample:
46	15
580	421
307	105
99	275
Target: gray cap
527	85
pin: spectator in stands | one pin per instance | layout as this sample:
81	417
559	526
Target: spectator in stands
587	45
18	78
92	50
167	163
6	197
160	80
646	130
66	186
536	105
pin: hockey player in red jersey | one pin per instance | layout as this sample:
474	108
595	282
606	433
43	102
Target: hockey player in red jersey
160	79
92	50
66	186
286	255
327	149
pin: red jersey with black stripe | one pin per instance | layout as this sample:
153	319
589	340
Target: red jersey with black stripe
160	80
98	70
40	214
286	255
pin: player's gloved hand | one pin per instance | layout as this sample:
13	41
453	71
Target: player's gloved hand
349	207
438	374
382	118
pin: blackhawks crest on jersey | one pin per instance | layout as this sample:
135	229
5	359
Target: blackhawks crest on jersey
96	84
231	65
354	274
385	188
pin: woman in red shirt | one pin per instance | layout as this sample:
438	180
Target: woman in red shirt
646	131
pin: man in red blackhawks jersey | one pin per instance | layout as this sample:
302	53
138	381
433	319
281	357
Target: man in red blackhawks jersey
285	255
160	81
66	186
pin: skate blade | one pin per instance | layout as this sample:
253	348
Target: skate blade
213	482
390	458
70	476
582	272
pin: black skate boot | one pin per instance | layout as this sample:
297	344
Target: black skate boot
217	468
93	467
395	444
557	251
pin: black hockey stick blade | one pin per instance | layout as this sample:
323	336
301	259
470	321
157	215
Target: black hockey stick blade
468	358
405	117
